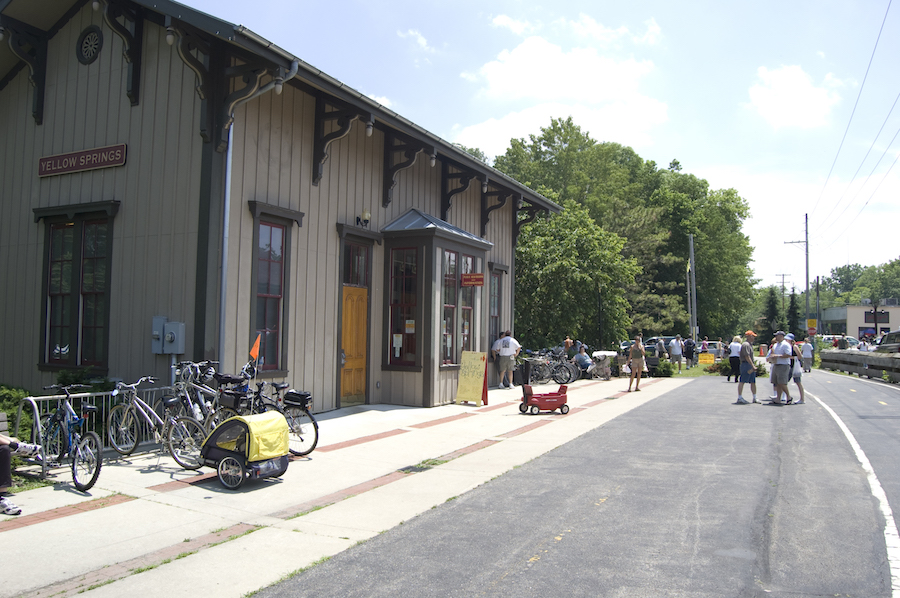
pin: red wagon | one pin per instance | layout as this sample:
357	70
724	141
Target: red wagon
543	402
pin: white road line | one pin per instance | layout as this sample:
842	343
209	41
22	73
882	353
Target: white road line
891	536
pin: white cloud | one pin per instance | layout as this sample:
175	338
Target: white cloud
517	27
627	122
787	97
538	69
652	36
384	101
418	38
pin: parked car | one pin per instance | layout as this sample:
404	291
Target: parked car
650	344
889	343
852	341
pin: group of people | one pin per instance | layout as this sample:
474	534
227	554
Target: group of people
8	448
788	360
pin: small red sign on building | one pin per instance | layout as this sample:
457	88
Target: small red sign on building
92	159
473	280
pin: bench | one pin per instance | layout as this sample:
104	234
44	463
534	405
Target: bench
652	364
4	424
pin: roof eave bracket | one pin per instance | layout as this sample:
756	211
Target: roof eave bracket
131	30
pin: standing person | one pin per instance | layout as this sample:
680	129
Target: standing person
807	350
568	344
704	346
508	350
781	370
636	354
796	369
689	347
720	349
734	358
9	447
495	356
676	350
747	368
660	348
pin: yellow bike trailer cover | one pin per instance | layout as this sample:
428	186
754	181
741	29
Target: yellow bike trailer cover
259	437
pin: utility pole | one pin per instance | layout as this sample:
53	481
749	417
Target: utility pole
805	242
783	276
692	295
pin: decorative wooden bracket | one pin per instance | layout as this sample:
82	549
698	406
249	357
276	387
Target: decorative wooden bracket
331	110
187	42
30	45
502	197
463	179
531	211
408	150
132	33
251	75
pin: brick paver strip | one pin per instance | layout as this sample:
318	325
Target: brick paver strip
324	501
115	572
527	428
497	406
442	420
179	484
91	505
354	442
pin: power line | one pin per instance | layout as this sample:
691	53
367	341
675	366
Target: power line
883	21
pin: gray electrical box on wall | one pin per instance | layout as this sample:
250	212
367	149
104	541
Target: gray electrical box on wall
173	338
156	334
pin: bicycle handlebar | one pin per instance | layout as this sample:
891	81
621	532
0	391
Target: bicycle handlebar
66	387
133	386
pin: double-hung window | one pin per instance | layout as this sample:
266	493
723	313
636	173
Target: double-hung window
78	255
271	293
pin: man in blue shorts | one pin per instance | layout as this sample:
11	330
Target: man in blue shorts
748	368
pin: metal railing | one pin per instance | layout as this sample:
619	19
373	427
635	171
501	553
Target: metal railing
41	405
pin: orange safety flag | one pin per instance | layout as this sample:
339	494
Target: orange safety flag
254	350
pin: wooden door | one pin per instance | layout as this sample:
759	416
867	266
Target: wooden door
354	337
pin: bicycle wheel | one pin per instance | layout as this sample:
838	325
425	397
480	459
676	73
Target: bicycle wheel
55	441
186	436
574	372
303	431
560	373
122	429
219	416
87	457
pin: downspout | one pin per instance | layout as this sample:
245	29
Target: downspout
275	84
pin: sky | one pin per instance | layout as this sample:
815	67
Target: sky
789	103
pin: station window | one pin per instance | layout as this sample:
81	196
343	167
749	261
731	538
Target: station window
404	328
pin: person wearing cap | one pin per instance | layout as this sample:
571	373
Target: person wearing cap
796	368
747	368
781	369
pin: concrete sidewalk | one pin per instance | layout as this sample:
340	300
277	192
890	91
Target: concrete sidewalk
150	528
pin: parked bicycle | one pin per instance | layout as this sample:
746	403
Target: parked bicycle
61	434
183	435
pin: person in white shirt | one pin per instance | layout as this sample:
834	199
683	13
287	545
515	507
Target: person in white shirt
734	359
505	351
808	350
676	350
781	368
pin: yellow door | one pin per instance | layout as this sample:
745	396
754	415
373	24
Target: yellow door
353	342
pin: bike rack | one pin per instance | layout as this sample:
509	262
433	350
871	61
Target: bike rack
35	430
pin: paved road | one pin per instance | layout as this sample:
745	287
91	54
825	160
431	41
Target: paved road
687	495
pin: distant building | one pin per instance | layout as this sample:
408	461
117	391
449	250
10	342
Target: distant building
857	320
173	186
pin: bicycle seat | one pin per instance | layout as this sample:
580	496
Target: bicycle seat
280	385
86	408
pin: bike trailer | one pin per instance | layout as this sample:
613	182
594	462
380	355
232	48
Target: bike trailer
251	446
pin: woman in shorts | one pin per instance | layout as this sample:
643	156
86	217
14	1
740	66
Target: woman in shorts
636	354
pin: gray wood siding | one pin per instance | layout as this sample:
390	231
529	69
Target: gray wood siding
154	243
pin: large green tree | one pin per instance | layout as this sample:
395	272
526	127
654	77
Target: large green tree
569	277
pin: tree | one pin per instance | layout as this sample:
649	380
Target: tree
843	278
569	279
772	318
793	317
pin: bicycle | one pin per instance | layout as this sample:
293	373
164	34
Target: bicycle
183	434
61	435
303	429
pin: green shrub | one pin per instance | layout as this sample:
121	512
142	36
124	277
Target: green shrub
9	402
665	369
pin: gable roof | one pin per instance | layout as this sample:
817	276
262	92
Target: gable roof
50	15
